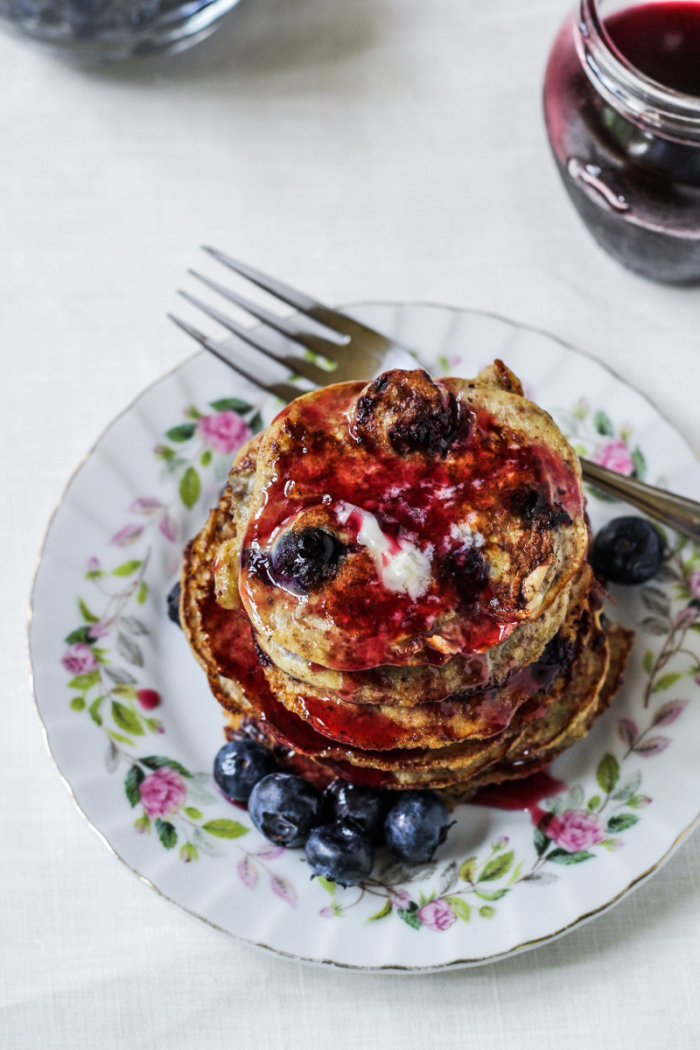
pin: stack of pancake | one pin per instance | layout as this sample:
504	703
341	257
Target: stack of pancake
393	587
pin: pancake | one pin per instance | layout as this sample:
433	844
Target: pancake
561	731
478	716
527	753
386	685
406	521
222	540
427	683
200	611
588	673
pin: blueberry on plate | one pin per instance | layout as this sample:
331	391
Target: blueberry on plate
416	826
284	808
363	808
238	767
173	601
340	853
627	550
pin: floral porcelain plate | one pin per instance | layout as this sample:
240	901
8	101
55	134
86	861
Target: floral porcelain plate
133	729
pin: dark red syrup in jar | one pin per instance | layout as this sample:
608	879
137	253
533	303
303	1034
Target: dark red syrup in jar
634	178
662	40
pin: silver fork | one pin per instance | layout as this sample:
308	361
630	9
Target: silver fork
353	351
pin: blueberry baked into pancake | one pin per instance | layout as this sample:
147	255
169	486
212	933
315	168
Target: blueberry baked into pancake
394	587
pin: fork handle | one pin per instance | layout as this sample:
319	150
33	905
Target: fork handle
679	512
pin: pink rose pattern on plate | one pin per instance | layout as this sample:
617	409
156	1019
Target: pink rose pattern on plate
594	434
574	830
104	682
616	456
162	792
79	659
225	431
437	915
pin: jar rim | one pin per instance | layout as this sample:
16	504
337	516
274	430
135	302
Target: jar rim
649	104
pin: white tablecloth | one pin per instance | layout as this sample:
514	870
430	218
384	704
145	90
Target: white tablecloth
365	149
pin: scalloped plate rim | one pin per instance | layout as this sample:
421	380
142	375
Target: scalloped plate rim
459	963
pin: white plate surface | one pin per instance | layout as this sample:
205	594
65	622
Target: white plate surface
133	729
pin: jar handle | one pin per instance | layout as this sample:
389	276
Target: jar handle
590	176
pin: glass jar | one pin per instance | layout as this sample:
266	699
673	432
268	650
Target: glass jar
108	30
622	106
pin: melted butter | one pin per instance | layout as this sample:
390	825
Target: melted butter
401	565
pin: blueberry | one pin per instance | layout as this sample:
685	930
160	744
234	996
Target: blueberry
363	808
238	767
468	571
416	826
627	550
538	512
306	557
284	808
173	602
340	853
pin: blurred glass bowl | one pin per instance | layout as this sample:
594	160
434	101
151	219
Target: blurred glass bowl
111	30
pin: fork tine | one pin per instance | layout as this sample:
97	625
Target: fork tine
258	338
285	391
326	347
332	319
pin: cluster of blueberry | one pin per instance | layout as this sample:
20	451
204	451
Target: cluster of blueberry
340	828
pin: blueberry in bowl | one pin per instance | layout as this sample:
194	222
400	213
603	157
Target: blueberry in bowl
239	765
363	808
628	550
340	853
416	825
284	808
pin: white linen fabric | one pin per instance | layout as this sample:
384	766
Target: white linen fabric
365	150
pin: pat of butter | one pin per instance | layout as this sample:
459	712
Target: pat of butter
401	566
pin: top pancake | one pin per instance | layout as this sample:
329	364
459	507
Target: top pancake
389	684
405	521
